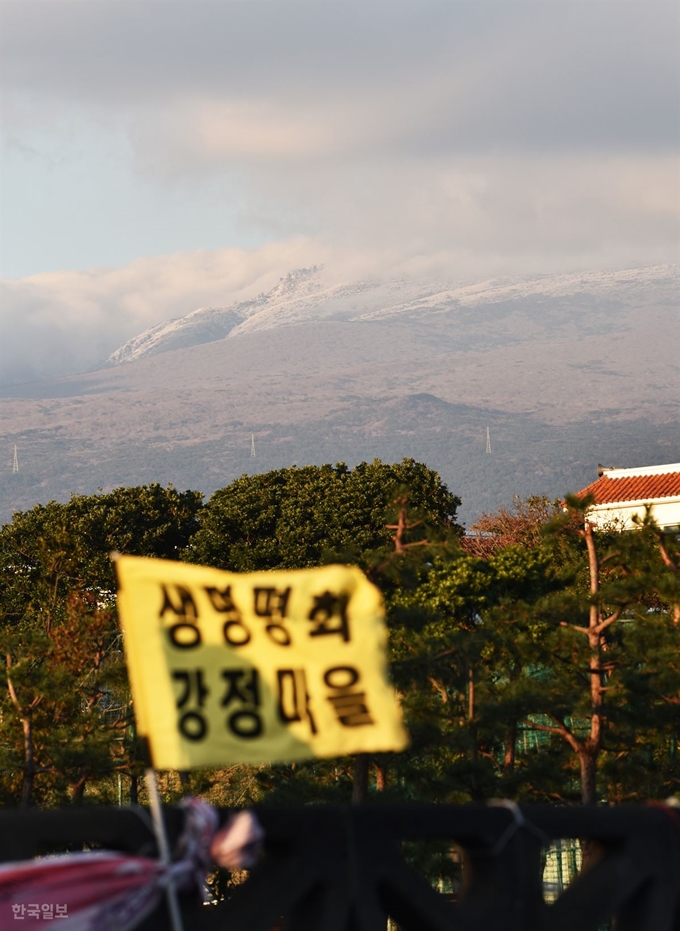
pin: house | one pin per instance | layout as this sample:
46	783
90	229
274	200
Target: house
621	494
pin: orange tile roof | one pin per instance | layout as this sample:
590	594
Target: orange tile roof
633	488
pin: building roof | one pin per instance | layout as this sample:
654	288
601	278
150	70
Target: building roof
643	484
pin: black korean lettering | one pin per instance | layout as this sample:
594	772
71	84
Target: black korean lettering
272	604
243	687
341	677
246	724
235	632
193	682
178	601
350	706
293	697
192	723
329	615
351	710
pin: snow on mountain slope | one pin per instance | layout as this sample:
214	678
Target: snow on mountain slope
625	285
207	324
308	294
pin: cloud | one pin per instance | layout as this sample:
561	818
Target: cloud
66	322
546	211
304	79
61	323
481	138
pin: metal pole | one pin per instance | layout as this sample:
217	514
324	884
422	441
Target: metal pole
163	846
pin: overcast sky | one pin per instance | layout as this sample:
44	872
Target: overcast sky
158	155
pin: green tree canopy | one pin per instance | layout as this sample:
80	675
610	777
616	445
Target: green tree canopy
50	551
64	708
537	661
552	665
299	517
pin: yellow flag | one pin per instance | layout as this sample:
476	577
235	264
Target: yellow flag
255	667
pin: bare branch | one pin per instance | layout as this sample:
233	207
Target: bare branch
562	730
608	621
443	694
581	630
665	556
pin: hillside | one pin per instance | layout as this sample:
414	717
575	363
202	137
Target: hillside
566	371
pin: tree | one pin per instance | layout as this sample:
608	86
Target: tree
619	591
563	633
59	580
65	713
54	549
593	655
520	526
300	517
540	661
454	658
60	687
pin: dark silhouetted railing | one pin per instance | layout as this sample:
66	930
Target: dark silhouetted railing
345	869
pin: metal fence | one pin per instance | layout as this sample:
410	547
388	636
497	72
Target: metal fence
563	862
329	868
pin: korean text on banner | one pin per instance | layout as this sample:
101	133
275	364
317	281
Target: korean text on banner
257	667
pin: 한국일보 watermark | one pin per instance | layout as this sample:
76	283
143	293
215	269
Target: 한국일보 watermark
48	911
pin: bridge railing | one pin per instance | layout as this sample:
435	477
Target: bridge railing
328	868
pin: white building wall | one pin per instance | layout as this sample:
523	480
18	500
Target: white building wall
665	511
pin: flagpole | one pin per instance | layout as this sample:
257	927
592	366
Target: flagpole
163	846
176	923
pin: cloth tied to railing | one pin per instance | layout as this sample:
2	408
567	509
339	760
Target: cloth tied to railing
110	891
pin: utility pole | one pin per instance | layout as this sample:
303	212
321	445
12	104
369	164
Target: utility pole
15	466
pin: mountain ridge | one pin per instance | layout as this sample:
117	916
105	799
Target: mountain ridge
302	295
566	371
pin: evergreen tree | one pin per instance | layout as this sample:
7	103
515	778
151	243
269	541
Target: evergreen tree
65	714
301	517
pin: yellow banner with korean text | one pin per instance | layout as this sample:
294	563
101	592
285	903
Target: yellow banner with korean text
256	667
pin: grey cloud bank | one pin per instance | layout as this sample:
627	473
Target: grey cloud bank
433	76
486	138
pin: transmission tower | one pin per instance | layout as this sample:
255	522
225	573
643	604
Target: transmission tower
15	466
488	440
252	445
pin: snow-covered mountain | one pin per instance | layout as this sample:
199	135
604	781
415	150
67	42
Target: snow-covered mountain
565	371
207	324
502	307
